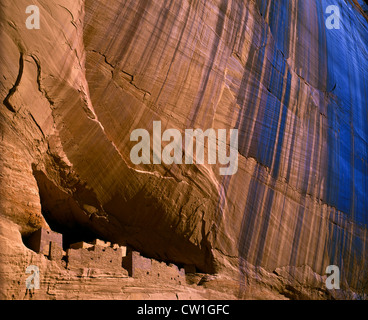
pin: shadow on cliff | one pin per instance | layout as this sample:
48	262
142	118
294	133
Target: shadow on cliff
62	213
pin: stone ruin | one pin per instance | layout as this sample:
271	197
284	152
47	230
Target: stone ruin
40	240
141	268
103	255
98	254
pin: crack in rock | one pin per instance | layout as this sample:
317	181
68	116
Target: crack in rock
7	101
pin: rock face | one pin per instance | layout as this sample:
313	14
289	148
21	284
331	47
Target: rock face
73	91
364	5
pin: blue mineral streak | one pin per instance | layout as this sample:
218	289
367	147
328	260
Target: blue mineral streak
348	128
347	50
347	81
342	61
364	4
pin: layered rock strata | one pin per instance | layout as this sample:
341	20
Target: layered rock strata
74	90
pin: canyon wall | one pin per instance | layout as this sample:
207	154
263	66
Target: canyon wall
74	90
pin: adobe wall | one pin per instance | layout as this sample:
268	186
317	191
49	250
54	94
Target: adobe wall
136	264
96	256
103	255
141	267
40	240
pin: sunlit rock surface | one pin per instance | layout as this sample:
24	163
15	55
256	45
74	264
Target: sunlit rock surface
74	90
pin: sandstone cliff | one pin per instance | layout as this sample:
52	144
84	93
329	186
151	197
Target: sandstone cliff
74	90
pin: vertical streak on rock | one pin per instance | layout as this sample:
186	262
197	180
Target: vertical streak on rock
212	59
296	92
347	145
179	42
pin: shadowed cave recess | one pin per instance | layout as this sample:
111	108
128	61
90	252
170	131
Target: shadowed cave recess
75	216
62	213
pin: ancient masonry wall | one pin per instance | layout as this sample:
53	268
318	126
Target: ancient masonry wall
98	255
141	267
40	240
103	255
